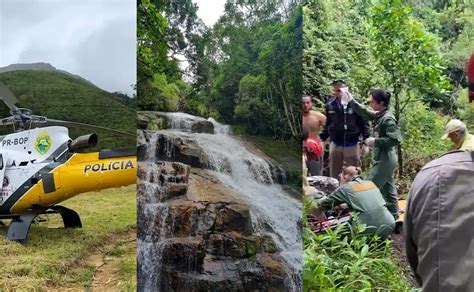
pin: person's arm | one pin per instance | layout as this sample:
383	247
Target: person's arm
333	199
364	125
362	111
393	136
322	120
324	132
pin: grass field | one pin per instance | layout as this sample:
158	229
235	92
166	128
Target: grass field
56	258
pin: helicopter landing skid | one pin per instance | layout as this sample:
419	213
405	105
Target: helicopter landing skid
70	217
20	225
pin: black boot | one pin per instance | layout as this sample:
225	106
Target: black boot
398	227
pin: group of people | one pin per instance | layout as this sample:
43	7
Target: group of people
345	127
439	216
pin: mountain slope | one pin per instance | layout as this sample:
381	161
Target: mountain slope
62	96
40	66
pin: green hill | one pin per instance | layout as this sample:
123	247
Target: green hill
61	96
39	66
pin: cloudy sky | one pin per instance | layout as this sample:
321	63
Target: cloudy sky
210	10
95	39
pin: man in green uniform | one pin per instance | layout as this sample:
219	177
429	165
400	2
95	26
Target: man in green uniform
386	136
364	197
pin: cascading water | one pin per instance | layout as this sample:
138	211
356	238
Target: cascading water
273	210
150	237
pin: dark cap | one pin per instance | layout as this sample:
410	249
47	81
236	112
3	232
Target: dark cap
339	81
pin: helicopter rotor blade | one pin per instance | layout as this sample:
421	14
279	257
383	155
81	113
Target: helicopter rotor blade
53	122
8	97
7	121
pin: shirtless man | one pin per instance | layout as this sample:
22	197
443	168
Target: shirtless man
312	123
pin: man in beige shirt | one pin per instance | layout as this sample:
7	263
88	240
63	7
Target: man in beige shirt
457	132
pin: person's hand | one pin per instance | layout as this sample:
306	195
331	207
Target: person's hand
326	143
370	141
346	96
340	208
364	150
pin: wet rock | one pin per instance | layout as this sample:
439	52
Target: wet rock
184	254
164	179
191	219
141	140
324	184
279	175
268	244
202	127
225	244
173	190
234	245
234	217
152	121
161	146
266	273
270	276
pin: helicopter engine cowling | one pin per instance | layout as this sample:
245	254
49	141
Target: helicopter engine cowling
84	141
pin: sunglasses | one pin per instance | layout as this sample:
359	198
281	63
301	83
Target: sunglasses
339	81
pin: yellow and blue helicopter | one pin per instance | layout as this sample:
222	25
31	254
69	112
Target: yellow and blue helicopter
41	166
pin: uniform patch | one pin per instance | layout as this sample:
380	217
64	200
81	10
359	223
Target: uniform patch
43	142
363	186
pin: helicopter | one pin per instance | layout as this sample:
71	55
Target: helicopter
42	166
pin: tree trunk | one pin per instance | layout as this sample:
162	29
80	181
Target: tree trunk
396	93
281	91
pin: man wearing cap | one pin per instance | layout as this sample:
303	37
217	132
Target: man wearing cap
312	124
343	127
457	132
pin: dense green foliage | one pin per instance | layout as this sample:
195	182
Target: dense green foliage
245	70
416	50
160	39
345	259
64	97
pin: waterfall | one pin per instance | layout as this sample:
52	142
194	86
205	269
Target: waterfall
251	178
153	226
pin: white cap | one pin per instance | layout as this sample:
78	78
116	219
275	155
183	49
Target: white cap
452	126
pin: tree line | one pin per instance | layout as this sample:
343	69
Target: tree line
245	70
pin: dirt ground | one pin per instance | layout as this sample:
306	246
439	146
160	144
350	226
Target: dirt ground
106	275
398	251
